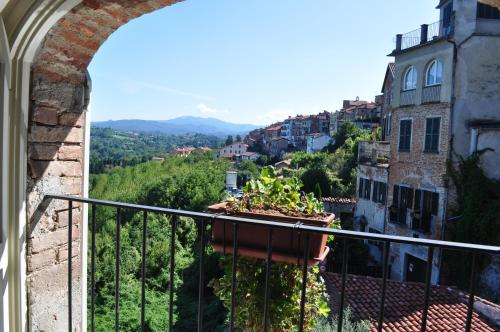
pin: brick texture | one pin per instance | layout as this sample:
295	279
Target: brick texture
60	92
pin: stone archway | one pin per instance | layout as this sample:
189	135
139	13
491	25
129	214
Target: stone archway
60	90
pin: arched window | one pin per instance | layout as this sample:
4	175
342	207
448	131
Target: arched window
434	74
410	79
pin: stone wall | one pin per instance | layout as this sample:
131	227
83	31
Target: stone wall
56	142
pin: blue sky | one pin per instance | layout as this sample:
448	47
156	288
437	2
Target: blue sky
249	61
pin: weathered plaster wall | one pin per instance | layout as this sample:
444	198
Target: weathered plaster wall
59	98
374	212
477	103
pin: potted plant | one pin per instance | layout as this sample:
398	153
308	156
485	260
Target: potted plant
281	200
274	199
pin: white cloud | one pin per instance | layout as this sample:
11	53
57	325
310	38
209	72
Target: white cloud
276	114
203	108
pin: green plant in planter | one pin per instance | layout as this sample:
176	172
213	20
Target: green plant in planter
270	192
285	292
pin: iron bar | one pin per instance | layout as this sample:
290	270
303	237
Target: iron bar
472	290
143	270
201	285
70	272
387	247
233	278
268	271
304	282
428	275
340	319
280	225
92	271
117	270
171	279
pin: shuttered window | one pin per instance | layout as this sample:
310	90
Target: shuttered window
432	129
404	135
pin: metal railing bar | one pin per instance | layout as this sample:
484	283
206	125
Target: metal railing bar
472	290
117	270
201	284
304	282
70	272
387	248
92	270
428	275
143	270
268	271
340	319
233	277
171	285
280	225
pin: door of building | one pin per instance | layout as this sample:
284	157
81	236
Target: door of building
415	269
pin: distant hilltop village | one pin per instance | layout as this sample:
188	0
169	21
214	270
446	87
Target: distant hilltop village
307	133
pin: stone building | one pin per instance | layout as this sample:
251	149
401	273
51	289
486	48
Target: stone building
445	98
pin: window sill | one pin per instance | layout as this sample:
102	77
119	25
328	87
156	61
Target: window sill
403	150
432	85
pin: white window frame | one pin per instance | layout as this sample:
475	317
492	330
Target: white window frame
413	71
437	64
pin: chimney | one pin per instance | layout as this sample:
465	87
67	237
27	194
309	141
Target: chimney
423	33
399	40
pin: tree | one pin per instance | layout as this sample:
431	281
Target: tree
238	138
314	179
229	140
346	131
247	170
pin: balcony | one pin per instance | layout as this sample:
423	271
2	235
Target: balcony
384	298
408	98
431	94
425	34
374	153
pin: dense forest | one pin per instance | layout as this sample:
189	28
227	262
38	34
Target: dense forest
109	148
190	183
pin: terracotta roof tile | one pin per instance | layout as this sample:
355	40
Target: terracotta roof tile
404	303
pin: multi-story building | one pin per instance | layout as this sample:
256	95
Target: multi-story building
316	142
444	101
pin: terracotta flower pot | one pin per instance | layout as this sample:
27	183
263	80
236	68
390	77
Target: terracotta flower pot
288	245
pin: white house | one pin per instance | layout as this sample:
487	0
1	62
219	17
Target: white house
316	142
229	151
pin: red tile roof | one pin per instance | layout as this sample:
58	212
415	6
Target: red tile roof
404	303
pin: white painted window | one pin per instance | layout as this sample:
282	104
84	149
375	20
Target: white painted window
410	79
434	74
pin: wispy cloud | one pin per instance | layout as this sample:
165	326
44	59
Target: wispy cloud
204	109
134	86
275	114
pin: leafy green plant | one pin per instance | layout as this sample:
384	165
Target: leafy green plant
285	294
270	192
348	324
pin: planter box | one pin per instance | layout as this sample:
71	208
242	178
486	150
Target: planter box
288	245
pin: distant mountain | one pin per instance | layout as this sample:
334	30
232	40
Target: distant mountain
179	126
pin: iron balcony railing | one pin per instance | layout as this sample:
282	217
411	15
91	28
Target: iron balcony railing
203	219
425	34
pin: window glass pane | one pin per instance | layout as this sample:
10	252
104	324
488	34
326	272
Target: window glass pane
439	72
431	74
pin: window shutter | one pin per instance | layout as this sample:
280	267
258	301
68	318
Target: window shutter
435	204
360	189
395	196
416	205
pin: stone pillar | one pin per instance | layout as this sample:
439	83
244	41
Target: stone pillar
55	165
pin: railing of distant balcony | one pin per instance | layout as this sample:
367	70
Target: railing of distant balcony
426	33
431	94
408	97
203	219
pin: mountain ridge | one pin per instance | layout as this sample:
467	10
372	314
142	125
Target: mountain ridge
179	126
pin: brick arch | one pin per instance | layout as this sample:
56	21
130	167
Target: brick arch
60	90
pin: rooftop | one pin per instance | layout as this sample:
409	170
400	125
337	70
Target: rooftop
404	304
